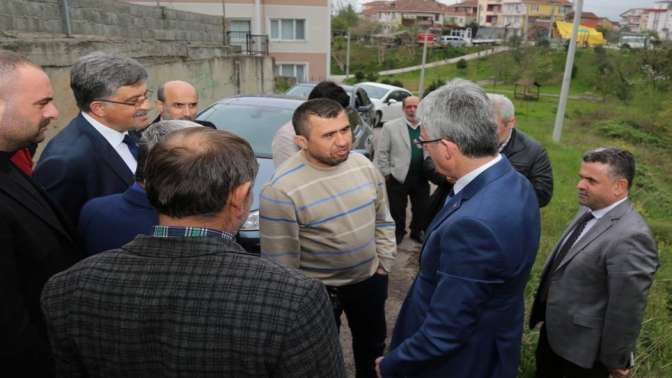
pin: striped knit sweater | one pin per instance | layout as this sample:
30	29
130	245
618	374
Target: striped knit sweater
333	223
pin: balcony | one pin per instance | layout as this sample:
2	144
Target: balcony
246	43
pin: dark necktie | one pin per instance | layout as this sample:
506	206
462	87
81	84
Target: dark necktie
566	246
132	145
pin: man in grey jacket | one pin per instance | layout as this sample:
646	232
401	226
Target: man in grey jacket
400	161
593	288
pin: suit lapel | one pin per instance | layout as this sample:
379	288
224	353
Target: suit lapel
105	151
600	227
405	139
486	177
35	205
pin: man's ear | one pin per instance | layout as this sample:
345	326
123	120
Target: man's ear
301	141
98	109
159	106
620	186
512	123
449	148
240	195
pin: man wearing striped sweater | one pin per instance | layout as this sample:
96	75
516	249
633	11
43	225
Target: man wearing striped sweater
325	212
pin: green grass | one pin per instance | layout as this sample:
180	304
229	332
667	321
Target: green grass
641	126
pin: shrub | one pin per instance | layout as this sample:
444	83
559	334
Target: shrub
433	86
359	76
372	76
462	64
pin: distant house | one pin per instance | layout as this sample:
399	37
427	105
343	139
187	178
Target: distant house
657	19
420	13
461	14
588	19
521	15
299	31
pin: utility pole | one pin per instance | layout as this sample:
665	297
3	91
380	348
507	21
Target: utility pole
347	56
564	92
421	86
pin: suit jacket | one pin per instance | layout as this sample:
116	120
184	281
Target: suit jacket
112	221
79	164
393	150
463	315
529	158
37	242
597	293
189	307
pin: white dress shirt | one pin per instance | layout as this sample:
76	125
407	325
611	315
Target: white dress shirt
116	140
597	215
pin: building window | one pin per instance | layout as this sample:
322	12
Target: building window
297	71
288	29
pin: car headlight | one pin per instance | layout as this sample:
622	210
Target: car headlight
252	222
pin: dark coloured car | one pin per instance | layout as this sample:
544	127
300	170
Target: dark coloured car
256	119
360	102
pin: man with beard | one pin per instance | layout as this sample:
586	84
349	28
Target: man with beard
95	155
325	213
36	240
176	99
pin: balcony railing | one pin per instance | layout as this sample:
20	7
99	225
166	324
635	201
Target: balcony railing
250	44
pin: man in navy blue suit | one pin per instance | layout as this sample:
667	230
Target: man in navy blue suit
463	316
95	155
111	221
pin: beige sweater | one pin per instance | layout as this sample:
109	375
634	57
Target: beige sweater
332	223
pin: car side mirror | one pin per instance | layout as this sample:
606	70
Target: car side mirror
391	101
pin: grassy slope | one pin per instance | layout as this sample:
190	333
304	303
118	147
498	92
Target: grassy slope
652	193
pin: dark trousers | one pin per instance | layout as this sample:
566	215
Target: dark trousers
364	306
550	365
415	187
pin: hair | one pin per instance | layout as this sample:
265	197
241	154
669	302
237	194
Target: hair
161	92
320	107
152	135
621	162
502	106
461	112
330	90
99	75
193	171
9	63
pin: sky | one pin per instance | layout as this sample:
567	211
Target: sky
603	8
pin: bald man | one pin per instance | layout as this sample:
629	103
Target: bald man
176	99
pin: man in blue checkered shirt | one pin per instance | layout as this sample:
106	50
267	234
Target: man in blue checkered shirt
188	300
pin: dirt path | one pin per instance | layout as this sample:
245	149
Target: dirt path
401	277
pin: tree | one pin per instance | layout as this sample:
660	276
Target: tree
345	18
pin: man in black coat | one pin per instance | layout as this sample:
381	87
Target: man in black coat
525	154
36	241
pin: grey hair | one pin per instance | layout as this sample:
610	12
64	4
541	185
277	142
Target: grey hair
99	75
461	112
154	134
503	106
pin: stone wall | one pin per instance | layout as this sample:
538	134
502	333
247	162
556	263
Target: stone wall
109	18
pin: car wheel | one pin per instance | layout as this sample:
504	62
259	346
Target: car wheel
377	120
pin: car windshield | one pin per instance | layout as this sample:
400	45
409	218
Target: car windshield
256	124
300	91
374	92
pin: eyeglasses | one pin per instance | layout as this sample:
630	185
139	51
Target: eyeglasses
421	142
137	103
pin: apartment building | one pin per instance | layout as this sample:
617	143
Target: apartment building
520	14
299	31
657	19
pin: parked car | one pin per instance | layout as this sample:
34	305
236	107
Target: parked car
361	103
453	40
256	119
386	100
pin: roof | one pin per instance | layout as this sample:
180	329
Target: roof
423	6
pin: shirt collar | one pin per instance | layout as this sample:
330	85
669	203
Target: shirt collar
412	126
161	231
463	181
603	211
113	137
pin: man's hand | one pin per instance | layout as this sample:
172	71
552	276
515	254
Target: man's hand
378	361
381	270
614	373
